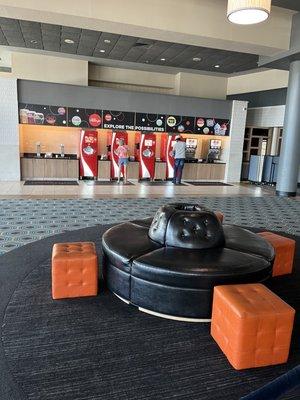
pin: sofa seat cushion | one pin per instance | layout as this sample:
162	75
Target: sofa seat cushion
127	241
241	239
201	268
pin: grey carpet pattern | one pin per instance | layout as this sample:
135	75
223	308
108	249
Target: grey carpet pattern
25	221
100	348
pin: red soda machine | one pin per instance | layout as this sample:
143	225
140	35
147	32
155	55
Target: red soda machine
113	139
145	145
166	153
88	154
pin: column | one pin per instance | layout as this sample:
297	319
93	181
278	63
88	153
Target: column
287	178
9	132
275	140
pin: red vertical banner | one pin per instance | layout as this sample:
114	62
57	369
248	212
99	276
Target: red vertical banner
113	143
166	154
88	154
146	145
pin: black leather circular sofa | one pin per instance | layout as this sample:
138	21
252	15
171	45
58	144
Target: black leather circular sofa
170	264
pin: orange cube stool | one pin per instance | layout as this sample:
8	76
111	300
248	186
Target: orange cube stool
251	325
284	252
220	216
74	270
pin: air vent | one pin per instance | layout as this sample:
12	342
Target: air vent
140	44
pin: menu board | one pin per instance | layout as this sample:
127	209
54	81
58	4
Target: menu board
36	114
180	124
212	126
150	122
119	120
84	118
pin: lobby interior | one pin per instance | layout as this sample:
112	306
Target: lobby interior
78	80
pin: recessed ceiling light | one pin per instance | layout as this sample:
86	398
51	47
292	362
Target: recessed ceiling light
33	41
69	41
162	59
102	51
217	66
106	41
196	59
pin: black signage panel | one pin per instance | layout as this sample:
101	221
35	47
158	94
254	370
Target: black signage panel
36	114
84	117
150	122
180	124
212	126
119	120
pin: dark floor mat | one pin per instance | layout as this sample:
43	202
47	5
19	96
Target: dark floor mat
159	183
196	183
108	183
50	183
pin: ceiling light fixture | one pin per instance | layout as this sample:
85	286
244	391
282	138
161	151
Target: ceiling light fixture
248	12
162	59
102	51
196	59
69	41
106	41
217	66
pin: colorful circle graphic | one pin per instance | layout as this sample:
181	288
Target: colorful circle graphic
76	120
95	120
61	111
200	122
171	121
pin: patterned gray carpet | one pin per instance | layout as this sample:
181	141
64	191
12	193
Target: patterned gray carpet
25	221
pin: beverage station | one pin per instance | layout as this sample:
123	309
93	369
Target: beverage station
62	143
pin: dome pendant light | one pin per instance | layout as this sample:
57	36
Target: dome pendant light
247	12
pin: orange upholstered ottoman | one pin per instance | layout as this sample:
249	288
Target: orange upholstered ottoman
251	325
284	252
74	270
220	216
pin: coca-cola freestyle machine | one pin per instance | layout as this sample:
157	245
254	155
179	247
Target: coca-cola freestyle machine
88	154
113	139
145	144
166	153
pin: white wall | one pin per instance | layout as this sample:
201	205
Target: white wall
235	150
131	79
181	84
258	81
203	86
266	117
9	131
50	69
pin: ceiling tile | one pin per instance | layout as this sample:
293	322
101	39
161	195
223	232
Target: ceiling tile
120	47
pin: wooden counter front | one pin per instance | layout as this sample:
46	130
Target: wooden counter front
160	171
191	171
49	168
104	170
198	171
133	170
